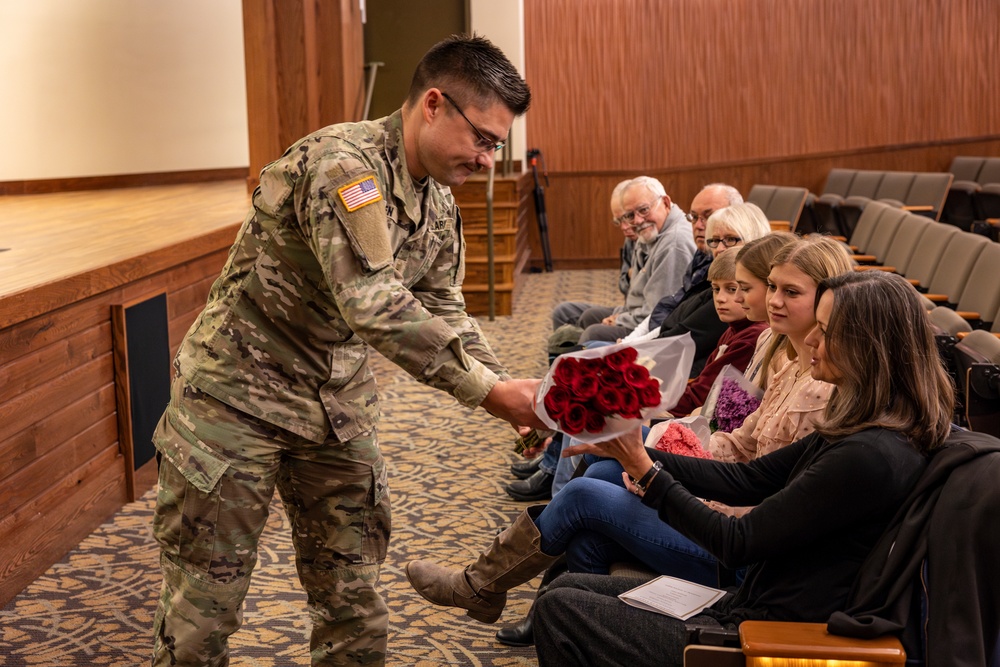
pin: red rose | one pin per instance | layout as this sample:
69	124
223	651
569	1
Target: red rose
622	358
574	419
636	375
584	386
630	404
556	401
649	394
566	369
595	422
612	378
609	400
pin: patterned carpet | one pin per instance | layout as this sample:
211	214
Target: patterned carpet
447	469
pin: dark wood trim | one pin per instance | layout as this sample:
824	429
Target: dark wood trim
111	182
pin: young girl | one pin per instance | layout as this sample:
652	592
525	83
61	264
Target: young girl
736	346
753	264
822	502
595	521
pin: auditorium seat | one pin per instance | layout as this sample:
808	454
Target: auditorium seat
952	272
761	195
786	206
966	168
883	235
865	229
978	359
927	193
980	300
822	210
892	189
904	243
962	205
928	252
986	203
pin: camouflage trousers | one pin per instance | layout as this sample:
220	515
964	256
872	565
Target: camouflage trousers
218	472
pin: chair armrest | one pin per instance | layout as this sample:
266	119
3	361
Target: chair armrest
872	267
937	298
914	282
995	222
780	225
962	334
915	209
764	640
839	238
968	315
864	258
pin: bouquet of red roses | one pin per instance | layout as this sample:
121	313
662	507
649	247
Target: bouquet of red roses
598	393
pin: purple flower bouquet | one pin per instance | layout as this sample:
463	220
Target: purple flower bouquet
730	400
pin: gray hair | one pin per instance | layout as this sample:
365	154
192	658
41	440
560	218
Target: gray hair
616	194
654	187
745	220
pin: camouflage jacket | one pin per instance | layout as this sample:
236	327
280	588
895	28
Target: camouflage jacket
341	251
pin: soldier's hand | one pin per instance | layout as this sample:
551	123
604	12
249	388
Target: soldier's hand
512	400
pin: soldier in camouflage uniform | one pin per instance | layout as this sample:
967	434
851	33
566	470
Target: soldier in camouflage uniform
353	242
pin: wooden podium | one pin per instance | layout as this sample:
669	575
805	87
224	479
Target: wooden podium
512	213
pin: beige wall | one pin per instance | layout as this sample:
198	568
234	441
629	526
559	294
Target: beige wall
502	21
101	87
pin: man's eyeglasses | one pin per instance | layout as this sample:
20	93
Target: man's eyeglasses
728	241
642	211
692	216
484	143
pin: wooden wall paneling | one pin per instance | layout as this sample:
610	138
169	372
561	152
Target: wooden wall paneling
304	69
52	430
62	462
39	533
688	82
21	412
699	91
48	363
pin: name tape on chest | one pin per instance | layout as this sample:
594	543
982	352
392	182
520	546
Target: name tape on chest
360	193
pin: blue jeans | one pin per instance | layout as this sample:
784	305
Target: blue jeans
595	521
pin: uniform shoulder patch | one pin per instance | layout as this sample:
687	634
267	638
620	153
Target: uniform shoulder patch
359	193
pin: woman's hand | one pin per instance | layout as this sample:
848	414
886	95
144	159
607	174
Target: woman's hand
627	448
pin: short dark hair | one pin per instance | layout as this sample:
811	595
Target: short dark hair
471	70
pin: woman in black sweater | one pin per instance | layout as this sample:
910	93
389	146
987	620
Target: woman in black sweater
822	502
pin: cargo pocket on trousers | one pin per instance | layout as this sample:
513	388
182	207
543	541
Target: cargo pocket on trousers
184	522
202	467
378	522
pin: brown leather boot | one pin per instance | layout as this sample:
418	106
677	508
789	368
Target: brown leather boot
481	588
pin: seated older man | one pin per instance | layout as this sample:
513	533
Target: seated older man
664	247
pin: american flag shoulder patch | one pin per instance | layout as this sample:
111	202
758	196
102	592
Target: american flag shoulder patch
360	193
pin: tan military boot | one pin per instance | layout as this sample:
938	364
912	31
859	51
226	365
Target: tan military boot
481	588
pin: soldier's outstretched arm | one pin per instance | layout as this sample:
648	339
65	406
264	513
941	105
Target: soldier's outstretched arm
513	400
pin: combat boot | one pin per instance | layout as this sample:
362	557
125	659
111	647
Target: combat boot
481	588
